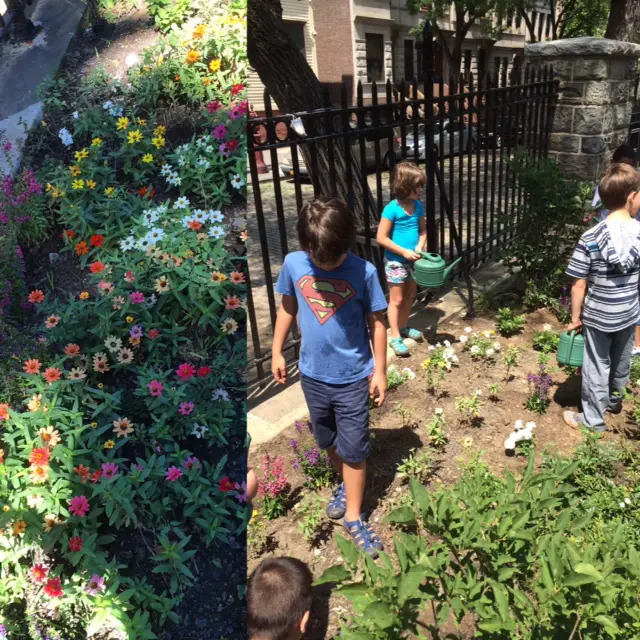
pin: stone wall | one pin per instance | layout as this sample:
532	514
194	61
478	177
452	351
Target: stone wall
594	106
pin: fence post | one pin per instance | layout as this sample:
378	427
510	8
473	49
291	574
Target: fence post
430	156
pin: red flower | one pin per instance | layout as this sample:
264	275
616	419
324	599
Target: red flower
186	371
144	190
69	233
83	472
225	484
203	371
36	296
39	457
82	248
96	267
214	106
4	411
236	89
75	544
232	144
96	475
96	240
38	573
153	333
53	588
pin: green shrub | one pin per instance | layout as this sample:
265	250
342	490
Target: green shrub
508	323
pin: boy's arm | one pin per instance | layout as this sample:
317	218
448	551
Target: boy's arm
285	318
383	238
578	292
422	242
378	332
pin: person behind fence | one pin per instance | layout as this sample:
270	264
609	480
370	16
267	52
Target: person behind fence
337	296
402	233
279	598
604	297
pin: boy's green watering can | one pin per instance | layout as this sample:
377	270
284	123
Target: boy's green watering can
430	271
571	349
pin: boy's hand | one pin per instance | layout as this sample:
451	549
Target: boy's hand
574	325
378	388
411	255
279	368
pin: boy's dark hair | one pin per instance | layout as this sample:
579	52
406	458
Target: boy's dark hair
406	178
280	593
618	183
326	229
625	153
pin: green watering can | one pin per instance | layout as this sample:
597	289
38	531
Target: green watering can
430	271
571	349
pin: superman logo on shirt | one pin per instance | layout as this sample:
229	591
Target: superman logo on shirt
325	296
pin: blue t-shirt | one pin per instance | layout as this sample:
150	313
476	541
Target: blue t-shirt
332	315
406	228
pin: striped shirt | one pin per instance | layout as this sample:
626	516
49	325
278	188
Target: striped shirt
612	270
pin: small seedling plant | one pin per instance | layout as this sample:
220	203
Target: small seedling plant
494	392
405	414
469	407
418	465
508	323
312	517
435	430
481	346
396	378
546	340
511	359
441	359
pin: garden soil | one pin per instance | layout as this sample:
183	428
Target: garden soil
400	426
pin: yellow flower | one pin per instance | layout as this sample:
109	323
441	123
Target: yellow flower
57	193
78	184
158	142
81	155
122	123
84	295
147	157
160	130
215	64
160	60
100	385
134	136
109	191
207	81
43	123
91	184
96	142
75	170
109	444
141	121
199	31
94	425
5	508
129	319
192	56
48	187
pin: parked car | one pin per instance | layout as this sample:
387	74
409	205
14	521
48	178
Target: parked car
504	131
370	153
455	138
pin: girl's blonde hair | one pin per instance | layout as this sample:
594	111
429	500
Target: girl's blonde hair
406	178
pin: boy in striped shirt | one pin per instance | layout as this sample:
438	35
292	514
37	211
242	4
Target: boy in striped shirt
604	297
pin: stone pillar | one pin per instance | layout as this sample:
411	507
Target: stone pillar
594	105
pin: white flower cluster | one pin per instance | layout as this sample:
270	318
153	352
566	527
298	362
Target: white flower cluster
520	433
627	501
448	353
113	109
65	136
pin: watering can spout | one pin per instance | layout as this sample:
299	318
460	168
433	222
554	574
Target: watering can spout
448	269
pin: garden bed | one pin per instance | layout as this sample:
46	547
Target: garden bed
401	427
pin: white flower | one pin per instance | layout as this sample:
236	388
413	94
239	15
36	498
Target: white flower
209	148
216	232
518	425
475	349
186	220
113	344
215	216
65	137
175	181
463	339
151	300
391	368
200	143
181	161
127	244
627	500
447	343
200	215
181	203
478	392
431	347
438	344
143	244
467	329
155	235
490	352
199	430
76	115
220	394
439	411
166	170
486	334
237	182
206	164
530	426
622	505
131	60
107	105
546	327
409	375
455	359
149	217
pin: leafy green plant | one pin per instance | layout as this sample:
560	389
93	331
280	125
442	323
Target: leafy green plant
494	391
435	430
169	13
469	407
481	346
418	465
508	323
511	359
312	516
397	378
546	340
539	385
405	414
441	359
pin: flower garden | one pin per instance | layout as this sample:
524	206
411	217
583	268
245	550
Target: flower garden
498	520
122	338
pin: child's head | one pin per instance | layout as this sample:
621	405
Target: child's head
406	180
326	230
619	188
625	154
279	599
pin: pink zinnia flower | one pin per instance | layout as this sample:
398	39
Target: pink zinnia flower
96	584
75	543
236	112
214	106
109	470
186	408
191	462
155	388
79	506
220	132
137	297
186	371
153	333
203	372
224	150
173	473
130	276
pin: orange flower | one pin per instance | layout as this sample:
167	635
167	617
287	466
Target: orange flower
39	474
237	277
207	81
216	276
194	225
192	56
72	350
96	267
84	295
83	472
32	366
52	374
39	457
232	302
19	527
199	31
70	233
176	78
82	248
52	321
4	411
36	296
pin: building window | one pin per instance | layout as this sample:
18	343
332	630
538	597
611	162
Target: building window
548	30
482	62
496	66
408	60
467	62
505	65
295	31
534	18
518	20
541	26
375	57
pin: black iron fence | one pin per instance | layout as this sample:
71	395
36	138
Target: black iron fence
463	132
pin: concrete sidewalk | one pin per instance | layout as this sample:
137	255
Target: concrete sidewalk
268	419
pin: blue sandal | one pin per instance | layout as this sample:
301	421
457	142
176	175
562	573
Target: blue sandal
363	537
399	348
413	334
337	506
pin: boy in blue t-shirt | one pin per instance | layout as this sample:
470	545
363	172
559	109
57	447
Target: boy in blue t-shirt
402	232
340	307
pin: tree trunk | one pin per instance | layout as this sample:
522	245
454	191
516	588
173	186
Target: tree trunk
295	88
624	20
530	26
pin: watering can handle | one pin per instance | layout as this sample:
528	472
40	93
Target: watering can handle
431	257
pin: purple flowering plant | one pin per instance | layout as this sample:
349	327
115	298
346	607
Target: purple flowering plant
539	385
314	463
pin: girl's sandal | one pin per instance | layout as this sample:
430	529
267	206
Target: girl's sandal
413	334
399	347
